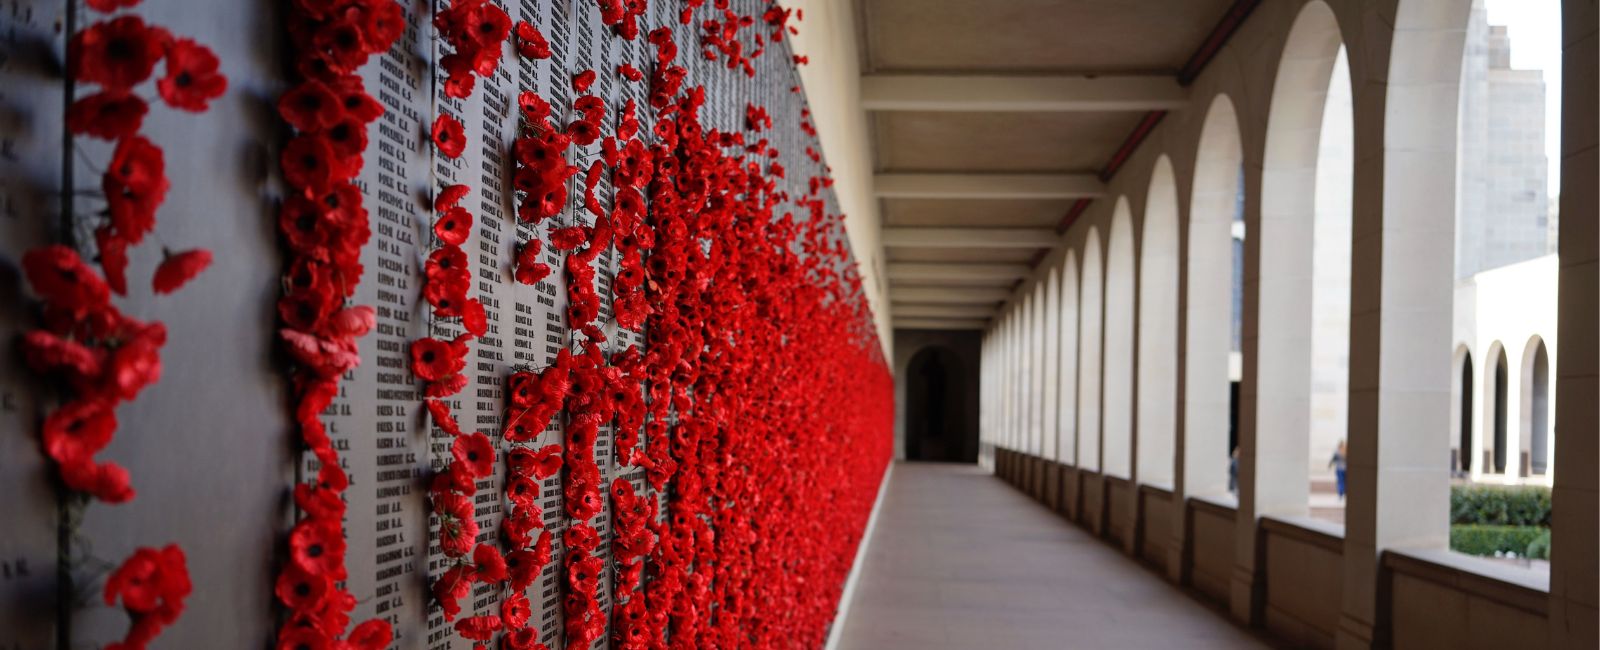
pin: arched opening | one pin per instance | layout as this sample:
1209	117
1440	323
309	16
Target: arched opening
1027	377
936	386
1495	447
1158	329
1036	366
1304	281
1536	409
1052	365
1089	329
1119	303
1462	458
1067	391
1214	308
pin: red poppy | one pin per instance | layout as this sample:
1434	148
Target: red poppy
78	430
192	80
135	183
629	72
474	318
440	412
488	566
299	589
546	462
449	588
108	6
151	581
582	81
108	115
178	269
61	278
107	482
449	196
457	528
529	270
117	53
449	136
515	611
318	547
372	634
48	353
478	628
113	258
475	452
433	359
311	164
453	228
531	43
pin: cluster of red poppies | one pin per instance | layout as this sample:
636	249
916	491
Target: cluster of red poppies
474	30
622	16
100	355
324	226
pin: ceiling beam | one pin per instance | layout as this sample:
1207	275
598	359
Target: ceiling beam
969	237
987	186
940	324
929	271
1020	93
915	310
949	295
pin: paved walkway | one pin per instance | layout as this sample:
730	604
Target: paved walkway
959	559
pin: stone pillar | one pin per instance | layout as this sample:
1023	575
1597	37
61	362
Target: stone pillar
1575	534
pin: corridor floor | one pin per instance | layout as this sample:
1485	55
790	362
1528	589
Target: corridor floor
959	559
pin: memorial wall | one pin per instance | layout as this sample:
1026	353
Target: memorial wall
398	324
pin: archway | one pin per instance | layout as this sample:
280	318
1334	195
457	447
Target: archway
1496	403
1119	304
1089	329
1067	391
936	416
1216	230
1464	411
1158	329
1536	408
1304	255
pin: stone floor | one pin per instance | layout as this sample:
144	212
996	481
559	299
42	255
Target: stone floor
959	559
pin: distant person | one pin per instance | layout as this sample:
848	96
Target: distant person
1338	464
1233	470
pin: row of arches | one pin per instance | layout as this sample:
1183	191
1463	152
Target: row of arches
1505	427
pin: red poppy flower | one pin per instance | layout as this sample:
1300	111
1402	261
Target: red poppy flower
61	278
117	53
457	528
478	628
108	6
310	106
108	115
583	575
476	452
581	537
440	412
449	136
547	461
192	80
488	566
135	183
47	353
106	482
453	228
529	270
583	132
582	81
318	547
178	269
372	634
151	581
531	43
474	318
449	196
299	589
78	430
113	258
433	359
629	72
523	567
451	586
310	163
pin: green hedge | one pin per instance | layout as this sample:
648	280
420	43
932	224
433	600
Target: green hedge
1524	541
1500	505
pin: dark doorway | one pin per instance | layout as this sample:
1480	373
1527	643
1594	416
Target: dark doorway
1539	418
1499	457
937	427
1464	459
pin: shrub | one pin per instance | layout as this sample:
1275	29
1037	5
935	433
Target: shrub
1501	505
1481	539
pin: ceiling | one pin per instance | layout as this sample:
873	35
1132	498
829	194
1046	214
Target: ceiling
992	119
